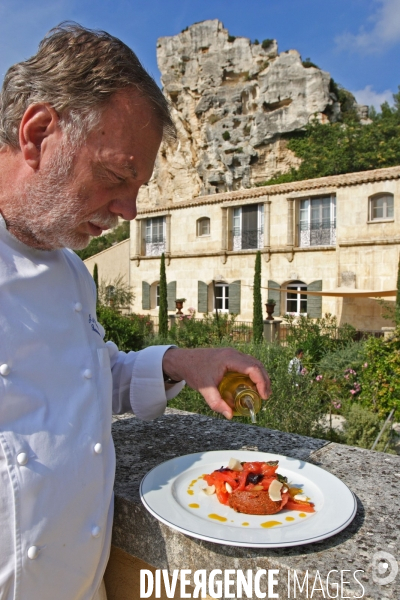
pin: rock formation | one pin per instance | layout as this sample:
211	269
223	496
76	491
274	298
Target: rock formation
233	102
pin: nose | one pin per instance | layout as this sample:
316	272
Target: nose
124	207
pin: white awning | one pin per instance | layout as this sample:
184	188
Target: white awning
341	292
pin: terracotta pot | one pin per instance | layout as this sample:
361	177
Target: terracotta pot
270	309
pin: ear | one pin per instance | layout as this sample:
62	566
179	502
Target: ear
39	122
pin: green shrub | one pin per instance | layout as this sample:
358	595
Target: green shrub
266	43
127	331
226	135
318	336
362	427
211	330
231	38
381	376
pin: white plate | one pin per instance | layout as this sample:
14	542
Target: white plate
168	490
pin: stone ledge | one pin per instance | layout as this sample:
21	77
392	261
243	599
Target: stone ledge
370	475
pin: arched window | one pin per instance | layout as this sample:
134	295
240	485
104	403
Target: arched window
381	207
203	227
296	302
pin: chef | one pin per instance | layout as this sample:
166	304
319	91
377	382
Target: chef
80	127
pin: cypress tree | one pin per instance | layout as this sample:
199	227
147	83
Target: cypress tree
163	308
96	281
397	314
258	326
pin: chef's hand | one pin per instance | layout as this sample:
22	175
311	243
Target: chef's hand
204	368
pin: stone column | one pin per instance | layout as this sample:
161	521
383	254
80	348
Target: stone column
224	232
267	223
138	237
290	222
168	234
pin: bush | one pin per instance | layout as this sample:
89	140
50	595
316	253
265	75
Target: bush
381	376
226	135
127	331
362	427
188	332
317	337
266	43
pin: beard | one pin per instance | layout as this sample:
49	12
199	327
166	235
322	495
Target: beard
47	212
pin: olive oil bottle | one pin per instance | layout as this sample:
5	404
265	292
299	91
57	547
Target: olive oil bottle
240	393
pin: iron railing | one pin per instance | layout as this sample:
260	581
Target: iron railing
317	233
246	239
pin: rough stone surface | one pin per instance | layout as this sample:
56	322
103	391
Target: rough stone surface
233	101
372	476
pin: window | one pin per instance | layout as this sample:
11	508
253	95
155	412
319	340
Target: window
155	236
248	227
381	207
155	295
221	299
296	302
203	226
317	221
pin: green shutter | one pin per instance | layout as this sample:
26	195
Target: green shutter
314	303
234	297
275	295
145	296
171	295
202	297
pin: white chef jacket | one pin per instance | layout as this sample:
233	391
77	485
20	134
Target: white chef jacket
59	383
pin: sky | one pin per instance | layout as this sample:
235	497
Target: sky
356	41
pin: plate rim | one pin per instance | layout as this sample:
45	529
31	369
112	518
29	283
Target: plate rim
253	544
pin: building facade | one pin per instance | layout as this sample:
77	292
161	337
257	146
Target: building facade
323	235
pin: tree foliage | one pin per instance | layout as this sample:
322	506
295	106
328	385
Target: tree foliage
346	146
163	308
102	242
381	377
258	325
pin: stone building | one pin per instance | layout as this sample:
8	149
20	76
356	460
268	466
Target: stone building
338	235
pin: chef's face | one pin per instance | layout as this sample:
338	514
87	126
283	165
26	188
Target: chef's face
79	194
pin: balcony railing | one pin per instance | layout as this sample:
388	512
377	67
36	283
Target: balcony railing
155	245
247	239
317	233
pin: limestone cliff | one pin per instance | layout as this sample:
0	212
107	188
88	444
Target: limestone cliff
233	102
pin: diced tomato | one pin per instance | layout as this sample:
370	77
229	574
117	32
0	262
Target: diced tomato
221	492
268	469
301	506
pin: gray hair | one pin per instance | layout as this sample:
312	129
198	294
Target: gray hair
76	70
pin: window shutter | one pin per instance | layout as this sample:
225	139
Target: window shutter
314	303
202	297
145	295
234	297
275	295
171	295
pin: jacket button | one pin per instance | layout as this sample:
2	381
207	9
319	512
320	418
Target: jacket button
87	374
22	458
33	552
4	370
98	448
96	531
78	307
